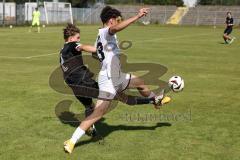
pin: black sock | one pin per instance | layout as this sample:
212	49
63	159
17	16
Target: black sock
143	100
135	100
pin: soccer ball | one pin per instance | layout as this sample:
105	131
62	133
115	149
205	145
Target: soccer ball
176	83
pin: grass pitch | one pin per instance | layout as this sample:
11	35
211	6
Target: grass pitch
202	122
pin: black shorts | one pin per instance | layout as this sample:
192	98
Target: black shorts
228	31
83	86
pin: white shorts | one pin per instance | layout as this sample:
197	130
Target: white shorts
110	86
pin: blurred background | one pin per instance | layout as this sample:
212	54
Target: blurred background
180	12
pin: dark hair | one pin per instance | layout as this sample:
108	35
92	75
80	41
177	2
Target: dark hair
108	13
70	30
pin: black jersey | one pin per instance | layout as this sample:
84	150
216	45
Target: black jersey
72	64
69	54
229	21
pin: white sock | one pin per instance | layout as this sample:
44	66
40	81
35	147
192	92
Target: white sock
151	95
77	135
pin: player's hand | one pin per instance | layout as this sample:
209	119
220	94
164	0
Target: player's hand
143	12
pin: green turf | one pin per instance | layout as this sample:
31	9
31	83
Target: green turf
206	122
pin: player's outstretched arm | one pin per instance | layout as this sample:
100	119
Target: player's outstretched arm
114	29
87	48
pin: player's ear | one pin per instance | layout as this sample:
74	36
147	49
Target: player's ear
70	38
110	21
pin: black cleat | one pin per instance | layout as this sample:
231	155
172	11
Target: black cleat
92	132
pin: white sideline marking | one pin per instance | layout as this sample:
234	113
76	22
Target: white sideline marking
42	55
138	41
29	57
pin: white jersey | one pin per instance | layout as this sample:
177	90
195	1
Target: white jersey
109	53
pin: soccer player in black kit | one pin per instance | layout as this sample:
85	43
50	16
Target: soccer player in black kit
76	74
228	30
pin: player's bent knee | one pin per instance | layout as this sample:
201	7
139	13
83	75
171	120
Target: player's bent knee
141	88
136	82
102	107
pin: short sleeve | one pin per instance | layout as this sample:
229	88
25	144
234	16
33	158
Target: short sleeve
77	46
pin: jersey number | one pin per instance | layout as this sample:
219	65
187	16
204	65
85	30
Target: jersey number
100	51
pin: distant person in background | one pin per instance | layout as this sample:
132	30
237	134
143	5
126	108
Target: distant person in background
36	20
228	30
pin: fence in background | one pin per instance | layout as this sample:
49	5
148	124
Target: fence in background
200	15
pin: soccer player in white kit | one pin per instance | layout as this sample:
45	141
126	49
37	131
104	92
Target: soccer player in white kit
111	79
